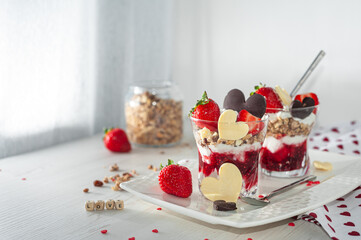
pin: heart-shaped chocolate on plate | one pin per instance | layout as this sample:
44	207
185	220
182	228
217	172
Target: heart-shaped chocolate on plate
304	109
255	104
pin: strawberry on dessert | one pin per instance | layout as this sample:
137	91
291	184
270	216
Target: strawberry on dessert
116	140
272	98
301	97
175	180
255	127
206	109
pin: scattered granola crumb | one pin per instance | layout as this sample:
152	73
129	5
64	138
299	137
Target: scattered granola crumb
104	231
106	180
150	167
86	190
114	167
155	230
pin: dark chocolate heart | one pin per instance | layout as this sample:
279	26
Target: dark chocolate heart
234	99
222	205
304	109
255	104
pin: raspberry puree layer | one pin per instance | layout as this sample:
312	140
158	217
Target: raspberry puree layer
244	157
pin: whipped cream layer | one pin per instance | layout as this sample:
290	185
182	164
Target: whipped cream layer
274	144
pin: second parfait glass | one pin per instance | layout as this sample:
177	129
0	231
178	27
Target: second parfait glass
244	153
284	151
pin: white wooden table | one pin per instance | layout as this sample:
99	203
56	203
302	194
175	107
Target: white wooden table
49	203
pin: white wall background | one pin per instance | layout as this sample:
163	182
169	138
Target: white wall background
220	45
65	65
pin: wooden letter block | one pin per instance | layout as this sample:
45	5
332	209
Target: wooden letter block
119	204
110	204
99	205
89	205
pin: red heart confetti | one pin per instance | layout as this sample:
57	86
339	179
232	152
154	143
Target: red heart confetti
331	228
316	147
342	206
104	231
291	224
249	239
340	146
311	139
353	135
358	188
23	179
358	196
340	199
132	238
325	207
155	230
354	233
355	142
334	238
260	196
339	140
347	214
325	150
350	224
317	134
325	139
328	218
353	122
312	214
335	130
159	208
356	152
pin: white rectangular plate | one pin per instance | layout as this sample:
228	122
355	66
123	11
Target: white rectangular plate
334	184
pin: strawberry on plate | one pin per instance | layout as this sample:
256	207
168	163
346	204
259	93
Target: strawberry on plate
116	140
254	126
312	95
272	98
206	109
175	180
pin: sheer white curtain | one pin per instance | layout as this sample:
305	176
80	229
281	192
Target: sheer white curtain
64	65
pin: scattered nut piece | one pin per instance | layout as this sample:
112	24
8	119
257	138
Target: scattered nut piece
98	183
155	169
150	167
89	205
86	190
106	180
114	167
134	172
116	187
323	166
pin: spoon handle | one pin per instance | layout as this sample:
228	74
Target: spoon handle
289	186
313	65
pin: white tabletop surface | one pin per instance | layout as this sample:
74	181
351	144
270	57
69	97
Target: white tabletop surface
49	202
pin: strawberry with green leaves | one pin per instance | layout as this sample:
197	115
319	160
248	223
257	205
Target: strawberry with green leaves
206	109
176	180
272	99
116	140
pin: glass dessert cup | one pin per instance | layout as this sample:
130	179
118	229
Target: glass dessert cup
284	151
244	152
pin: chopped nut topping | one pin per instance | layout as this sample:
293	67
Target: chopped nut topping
150	167
114	167
86	190
106	180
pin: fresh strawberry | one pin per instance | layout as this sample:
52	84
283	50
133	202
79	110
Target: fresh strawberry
115	139
254	127
175	180
206	109
272	98
312	95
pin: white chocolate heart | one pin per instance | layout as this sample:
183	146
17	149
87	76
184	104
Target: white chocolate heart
323	166
283	94
229	129
227	187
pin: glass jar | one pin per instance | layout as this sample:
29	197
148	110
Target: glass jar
153	114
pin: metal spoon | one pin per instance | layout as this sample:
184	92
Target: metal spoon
313	65
265	200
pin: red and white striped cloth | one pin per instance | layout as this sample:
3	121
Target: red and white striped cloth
341	219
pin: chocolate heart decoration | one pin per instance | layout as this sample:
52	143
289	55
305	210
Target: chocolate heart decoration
304	109
255	104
